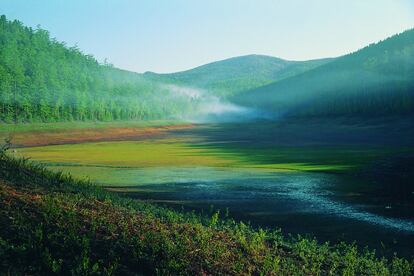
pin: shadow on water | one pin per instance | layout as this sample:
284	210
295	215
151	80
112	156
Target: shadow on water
374	156
371	202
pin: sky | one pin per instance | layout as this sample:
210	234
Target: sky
175	35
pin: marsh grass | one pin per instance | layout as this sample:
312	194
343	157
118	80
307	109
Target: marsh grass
160	152
113	163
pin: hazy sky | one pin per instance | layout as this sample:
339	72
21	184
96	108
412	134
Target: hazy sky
172	35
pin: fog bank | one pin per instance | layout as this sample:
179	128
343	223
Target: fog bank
208	108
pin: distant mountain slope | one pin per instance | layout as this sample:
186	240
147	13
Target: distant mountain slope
236	74
378	79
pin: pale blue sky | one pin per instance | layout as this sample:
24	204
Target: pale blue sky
173	35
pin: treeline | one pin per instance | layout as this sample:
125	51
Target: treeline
42	79
376	80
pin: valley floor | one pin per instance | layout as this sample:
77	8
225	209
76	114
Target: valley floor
333	183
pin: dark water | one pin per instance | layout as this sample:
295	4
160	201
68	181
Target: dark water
373	206
298	203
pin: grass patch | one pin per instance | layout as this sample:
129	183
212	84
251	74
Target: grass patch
149	153
142	144
180	152
113	163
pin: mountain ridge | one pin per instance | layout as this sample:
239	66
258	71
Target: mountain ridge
232	75
364	77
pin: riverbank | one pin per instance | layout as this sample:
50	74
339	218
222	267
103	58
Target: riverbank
60	133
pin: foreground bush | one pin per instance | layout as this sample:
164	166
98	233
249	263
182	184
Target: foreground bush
53	224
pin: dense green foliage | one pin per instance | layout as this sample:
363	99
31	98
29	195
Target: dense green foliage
52	223
234	75
42	79
376	80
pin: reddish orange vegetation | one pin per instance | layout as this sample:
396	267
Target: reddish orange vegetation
205	251
8	194
43	138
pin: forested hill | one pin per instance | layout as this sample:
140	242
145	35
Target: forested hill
42	79
376	80
230	76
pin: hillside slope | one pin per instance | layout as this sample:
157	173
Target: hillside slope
42	79
229	76
376	80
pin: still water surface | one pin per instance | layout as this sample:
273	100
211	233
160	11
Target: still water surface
297	202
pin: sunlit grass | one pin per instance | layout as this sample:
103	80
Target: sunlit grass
166	152
115	163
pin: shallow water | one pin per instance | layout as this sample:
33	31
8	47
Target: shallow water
337	183
297	202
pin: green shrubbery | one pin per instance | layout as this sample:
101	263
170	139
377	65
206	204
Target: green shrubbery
53	224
